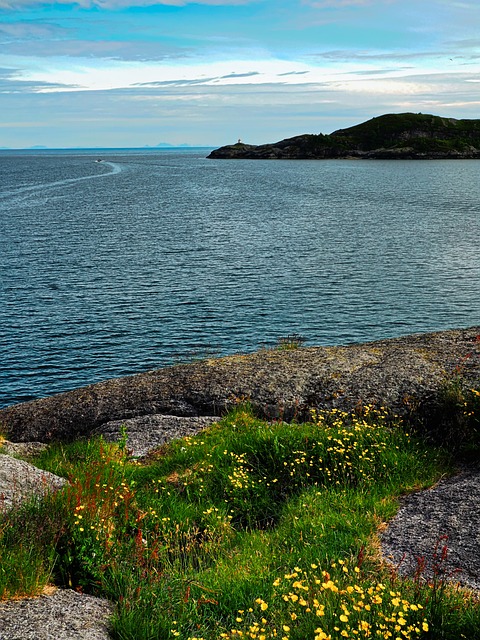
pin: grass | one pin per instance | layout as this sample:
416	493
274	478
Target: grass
290	342
247	530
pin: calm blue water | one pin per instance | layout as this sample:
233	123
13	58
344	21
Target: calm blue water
150	257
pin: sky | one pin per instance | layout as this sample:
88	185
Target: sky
129	73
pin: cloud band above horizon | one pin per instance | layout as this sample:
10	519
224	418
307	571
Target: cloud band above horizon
122	66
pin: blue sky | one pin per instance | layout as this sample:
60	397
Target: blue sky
130	73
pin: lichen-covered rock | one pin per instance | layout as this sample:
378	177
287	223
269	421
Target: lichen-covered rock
404	374
64	615
22	449
150	432
20	480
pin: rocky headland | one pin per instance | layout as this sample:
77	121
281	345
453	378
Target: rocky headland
402	136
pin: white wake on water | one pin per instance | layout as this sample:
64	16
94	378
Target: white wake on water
115	168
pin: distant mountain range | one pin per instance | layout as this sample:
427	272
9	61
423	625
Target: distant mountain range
160	145
167	145
390	136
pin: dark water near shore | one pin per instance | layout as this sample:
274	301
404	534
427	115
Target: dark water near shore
152	257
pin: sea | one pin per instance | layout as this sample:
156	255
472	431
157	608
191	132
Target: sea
114	262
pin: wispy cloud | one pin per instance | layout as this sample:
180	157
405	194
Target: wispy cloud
97	74
248	74
348	55
76	49
293	73
174	83
121	4
337	4
10	83
29	30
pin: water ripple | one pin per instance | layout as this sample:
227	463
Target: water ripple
170	255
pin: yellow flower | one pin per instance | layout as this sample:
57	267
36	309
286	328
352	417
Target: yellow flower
425	626
262	603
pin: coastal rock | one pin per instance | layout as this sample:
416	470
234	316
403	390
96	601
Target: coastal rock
20	480
405	374
22	449
150	432
64	615
438	531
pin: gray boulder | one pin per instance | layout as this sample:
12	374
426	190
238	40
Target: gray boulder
150	432
20	480
438	531
23	449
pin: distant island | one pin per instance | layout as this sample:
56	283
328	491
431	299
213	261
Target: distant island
391	136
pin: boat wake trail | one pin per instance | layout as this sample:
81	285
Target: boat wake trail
115	168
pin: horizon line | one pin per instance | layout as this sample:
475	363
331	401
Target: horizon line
164	148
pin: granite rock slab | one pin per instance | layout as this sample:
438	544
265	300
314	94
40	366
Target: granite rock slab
150	432
439	530
64	615
403	374
19	480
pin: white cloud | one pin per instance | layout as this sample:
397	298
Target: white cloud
99	75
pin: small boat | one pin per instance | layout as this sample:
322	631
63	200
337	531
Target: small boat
99	160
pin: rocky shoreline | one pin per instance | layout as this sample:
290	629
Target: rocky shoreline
406	375
304	148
